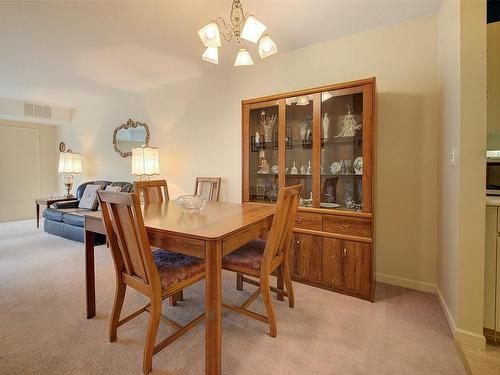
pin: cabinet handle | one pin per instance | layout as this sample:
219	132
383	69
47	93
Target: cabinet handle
298	220
297	243
345	226
344	252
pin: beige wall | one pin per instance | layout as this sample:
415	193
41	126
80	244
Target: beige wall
197	126
462	88
494	77
17	202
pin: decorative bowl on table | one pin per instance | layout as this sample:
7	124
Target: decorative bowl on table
191	203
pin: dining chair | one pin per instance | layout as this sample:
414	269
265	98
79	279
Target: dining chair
153	191
157	274
260	259
208	187
156	191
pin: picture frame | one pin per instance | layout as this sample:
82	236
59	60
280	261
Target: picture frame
288	138
256	146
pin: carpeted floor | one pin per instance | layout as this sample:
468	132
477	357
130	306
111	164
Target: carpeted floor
43	329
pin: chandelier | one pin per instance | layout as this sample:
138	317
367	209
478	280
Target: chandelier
241	26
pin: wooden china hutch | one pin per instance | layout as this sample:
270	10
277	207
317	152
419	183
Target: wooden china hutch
322	138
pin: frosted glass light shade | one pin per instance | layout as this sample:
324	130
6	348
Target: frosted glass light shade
303	100
145	161
211	55
243	58
70	162
210	35
252	29
267	47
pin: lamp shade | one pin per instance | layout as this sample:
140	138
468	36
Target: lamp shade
267	47
210	35
243	58
70	162
145	161
252	29
211	54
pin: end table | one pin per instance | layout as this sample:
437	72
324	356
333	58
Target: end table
47	202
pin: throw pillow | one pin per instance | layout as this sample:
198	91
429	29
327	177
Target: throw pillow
109	188
89	197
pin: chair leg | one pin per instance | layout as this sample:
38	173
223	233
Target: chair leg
268	302
117	309
279	284
154	322
180	295
285	271
173	300
239	281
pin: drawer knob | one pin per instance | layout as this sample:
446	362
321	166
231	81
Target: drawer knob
344	252
345	226
297	243
298	220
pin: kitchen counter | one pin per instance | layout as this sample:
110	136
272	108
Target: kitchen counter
493	200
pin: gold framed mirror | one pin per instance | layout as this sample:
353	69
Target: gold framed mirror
130	135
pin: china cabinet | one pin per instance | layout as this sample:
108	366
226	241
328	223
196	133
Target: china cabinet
322	139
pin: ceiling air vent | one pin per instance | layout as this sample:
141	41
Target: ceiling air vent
36	110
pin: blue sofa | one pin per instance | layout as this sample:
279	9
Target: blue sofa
61	220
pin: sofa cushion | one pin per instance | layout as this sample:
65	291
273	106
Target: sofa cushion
126	187
89	197
53	214
81	188
76	220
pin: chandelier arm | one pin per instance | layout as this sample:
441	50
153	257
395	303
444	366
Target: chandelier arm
228	33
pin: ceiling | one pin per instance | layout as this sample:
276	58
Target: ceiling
63	53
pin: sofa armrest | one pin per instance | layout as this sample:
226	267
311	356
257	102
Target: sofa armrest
67	204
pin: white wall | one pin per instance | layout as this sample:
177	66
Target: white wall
462	88
197	125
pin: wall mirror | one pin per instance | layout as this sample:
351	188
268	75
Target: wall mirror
130	135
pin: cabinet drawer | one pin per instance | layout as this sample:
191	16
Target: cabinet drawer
307	220
347	225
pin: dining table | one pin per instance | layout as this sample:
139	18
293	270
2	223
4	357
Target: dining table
210	234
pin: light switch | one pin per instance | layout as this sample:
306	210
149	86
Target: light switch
452	157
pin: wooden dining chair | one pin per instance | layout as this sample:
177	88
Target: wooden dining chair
260	259
208	187
153	191
156	274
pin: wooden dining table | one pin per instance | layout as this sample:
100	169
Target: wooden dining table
210	234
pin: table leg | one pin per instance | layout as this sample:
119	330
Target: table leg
37	215
89	273
213	274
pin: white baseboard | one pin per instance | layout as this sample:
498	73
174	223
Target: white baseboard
460	335
406	283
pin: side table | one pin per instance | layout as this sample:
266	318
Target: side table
47	202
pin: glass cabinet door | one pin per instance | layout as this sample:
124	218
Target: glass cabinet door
341	149
299	146
263	159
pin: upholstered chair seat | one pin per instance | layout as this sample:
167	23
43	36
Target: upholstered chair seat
174	267
248	256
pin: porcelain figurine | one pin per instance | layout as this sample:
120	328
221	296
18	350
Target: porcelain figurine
349	126
294	169
257	138
303	131
275	169
264	167
325	125
302	169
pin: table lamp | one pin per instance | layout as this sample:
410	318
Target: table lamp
69	163
145	162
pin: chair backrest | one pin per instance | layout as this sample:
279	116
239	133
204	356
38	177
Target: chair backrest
279	238
208	187
127	236
153	191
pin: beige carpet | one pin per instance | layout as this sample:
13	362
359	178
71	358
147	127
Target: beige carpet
43	329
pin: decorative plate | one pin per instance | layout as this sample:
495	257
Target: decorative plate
335	167
358	165
329	205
